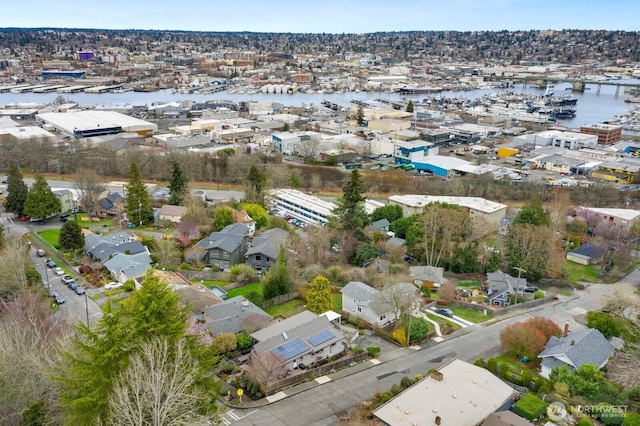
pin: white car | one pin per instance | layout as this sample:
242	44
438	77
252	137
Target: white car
59	271
112	285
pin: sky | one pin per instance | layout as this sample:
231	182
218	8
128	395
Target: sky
328	16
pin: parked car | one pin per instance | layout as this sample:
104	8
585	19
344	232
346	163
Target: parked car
530	289
112	285
59	299
67	279
58	271
72	285
41	253
51	263
79	290
444	311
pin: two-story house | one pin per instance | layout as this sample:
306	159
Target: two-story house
226	247
265	249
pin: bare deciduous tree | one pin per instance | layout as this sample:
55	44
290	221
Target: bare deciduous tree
89	186
159	388
31	339
167	252
12	260
264	367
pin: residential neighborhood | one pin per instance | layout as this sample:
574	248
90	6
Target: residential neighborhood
430	235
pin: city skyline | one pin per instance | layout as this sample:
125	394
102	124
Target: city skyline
330	16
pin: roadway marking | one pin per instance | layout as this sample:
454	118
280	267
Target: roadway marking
276	397
225	421
323	379
233	415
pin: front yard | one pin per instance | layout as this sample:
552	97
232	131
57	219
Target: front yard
470	314
577	272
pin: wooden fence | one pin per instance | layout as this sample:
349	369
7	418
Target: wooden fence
279	299
271	388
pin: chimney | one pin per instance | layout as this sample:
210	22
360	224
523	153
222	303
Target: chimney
565	332
438	420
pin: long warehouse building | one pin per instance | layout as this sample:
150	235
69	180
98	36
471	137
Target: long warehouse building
83	124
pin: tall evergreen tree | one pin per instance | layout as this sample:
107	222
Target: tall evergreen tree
360	115
277	281
17	190
41	201
256	186
350	213
101	354
71	236
409	106
178	186
137	199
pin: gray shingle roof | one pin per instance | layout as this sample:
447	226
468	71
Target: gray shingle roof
227	316
269	243
284	325
498	283
365	295
579	347
228	239
303	332
589	250
379	225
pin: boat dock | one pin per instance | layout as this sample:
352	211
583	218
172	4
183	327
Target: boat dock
72	89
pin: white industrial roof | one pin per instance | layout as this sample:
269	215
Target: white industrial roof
466	395
475	203
443	162
88	120
625	214
27	132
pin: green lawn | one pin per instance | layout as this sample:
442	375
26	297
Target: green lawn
517	366
337	302
211	283
438	319
287	309
245	290
470	314
469	283
576	272
564	293
51	236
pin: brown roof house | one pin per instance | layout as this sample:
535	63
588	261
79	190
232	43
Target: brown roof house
172	213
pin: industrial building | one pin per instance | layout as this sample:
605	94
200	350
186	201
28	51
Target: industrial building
82	124
479	208
608	134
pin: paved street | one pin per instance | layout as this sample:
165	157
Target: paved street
75	308
325	404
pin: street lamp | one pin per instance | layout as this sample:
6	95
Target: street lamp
140	211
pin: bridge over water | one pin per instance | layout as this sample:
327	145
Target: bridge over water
578	84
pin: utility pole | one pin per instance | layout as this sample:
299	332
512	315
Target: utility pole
520	271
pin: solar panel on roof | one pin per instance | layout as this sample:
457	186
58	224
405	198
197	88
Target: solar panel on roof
320	338
290	349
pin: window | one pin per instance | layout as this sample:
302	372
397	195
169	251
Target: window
215	253
258	258
359	309
382	317
225	254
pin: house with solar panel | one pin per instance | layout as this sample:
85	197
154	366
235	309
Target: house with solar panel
301	341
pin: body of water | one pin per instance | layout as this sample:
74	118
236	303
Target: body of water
592	107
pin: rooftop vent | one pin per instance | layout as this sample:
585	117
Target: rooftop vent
285	336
